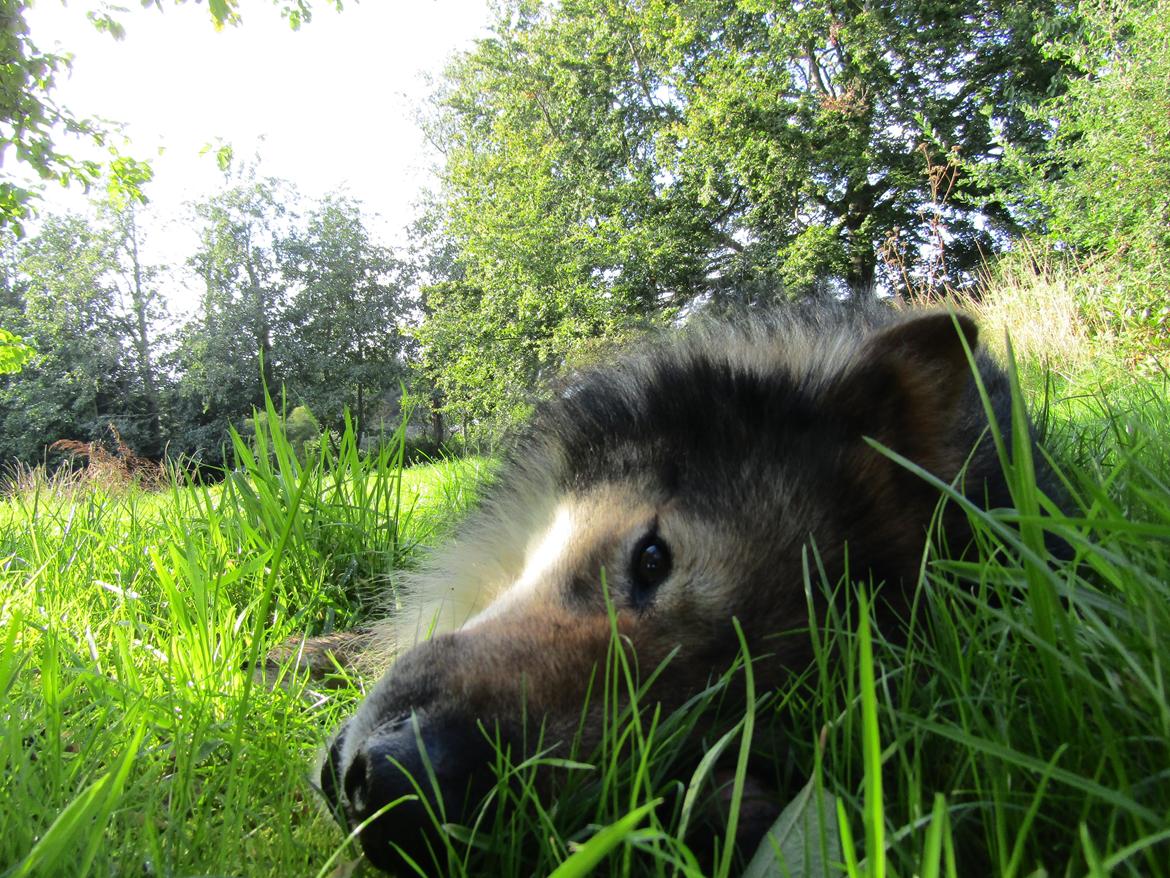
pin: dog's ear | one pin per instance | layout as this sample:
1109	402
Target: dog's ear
904	385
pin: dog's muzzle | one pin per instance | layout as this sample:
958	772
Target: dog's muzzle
407	778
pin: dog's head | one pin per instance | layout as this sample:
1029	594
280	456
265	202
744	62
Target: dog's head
660	499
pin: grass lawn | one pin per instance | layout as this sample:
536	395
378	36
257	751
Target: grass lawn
134	741
1023	728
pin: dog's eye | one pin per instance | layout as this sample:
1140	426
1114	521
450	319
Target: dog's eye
651	565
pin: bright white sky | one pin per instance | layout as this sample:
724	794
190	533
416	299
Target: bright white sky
328	107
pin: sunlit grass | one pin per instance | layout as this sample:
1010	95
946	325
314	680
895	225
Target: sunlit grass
1024	723
128	624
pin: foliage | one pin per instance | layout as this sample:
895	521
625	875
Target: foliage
811	120
296	297
1109	167
311	297
341	330
431	257
31	121
225	356
1113	136
78	292
681	150
64	303
31	124
14	352
610	164
139	288
296	12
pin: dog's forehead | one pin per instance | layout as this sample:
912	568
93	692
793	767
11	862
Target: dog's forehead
654	416
578	536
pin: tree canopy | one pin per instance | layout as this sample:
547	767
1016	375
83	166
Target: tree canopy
610	161
343	327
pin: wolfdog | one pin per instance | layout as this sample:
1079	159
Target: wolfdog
664	495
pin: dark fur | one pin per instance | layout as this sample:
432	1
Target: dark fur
741	444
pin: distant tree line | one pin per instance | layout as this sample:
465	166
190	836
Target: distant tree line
614	164
301	301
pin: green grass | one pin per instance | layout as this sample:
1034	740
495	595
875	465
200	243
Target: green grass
1023	725
134	740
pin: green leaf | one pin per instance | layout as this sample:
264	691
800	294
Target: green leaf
803	842
14	352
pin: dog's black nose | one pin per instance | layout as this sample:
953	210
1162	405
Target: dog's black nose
331	778
388	776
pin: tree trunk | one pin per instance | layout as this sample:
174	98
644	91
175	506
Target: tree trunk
263	330
438	427
862	272
140	300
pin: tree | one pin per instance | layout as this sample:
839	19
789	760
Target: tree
813	119
610	162
143	308
31	122
226	357
65	303
1104	186
79	290
432	259
1110	162
563	234
342	342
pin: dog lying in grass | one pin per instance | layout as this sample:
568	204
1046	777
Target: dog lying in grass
668	497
